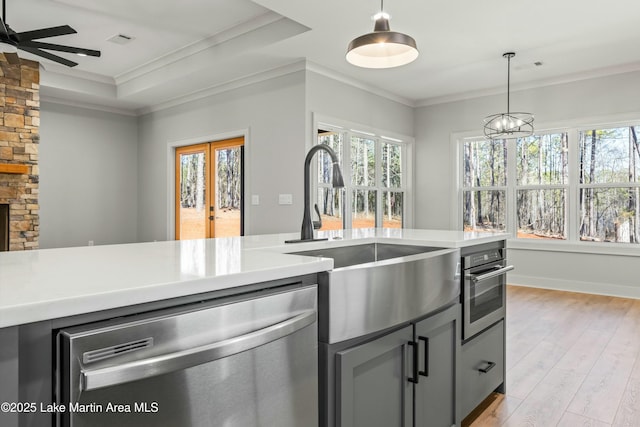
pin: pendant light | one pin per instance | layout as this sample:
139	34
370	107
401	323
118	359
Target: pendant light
508	125
382	48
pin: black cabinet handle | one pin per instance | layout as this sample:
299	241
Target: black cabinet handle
425	373
415	378
490	366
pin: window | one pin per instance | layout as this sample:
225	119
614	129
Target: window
608	184
577	184
541	187
485	178
375	192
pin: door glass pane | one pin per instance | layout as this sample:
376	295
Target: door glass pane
392	209
193	213
364	209
227	192
330	206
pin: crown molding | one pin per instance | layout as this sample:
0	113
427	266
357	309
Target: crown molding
552	81
225	87
88	105
334	75
193	48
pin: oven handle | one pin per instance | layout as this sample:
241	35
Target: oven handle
480	277
92	379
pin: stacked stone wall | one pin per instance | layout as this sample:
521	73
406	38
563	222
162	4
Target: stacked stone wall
19	139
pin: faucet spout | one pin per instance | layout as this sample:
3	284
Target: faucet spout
337	180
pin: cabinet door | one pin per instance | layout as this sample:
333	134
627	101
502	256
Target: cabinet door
438	342
373	387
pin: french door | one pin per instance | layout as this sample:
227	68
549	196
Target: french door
210	190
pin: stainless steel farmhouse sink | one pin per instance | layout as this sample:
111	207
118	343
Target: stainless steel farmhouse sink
376	286
345	256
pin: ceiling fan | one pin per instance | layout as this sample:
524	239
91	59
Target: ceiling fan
27	41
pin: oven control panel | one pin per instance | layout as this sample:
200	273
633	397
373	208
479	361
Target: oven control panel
484	257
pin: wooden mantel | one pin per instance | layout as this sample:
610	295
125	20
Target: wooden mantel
13	168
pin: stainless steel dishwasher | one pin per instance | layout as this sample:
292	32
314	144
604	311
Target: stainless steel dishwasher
236	362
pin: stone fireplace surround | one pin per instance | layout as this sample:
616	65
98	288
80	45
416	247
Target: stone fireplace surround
19	139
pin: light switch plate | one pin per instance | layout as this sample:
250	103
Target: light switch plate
285	199
255	199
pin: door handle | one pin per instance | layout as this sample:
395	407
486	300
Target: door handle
491	274
414	346
425	373
92	379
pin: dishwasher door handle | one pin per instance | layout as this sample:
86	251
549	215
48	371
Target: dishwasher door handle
92	379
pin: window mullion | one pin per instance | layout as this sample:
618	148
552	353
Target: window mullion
573	208
347	215
512	214
377	176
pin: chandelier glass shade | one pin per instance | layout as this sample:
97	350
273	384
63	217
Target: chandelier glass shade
510	124
382	48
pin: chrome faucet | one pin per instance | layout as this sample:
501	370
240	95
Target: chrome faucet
306	235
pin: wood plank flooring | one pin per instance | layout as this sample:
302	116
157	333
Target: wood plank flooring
572	360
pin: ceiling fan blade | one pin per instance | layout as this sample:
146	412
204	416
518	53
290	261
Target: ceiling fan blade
12	57
45	32
48	55
61	48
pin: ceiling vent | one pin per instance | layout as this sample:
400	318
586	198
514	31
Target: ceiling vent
120	39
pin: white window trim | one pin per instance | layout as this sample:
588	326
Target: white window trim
571	244
321	121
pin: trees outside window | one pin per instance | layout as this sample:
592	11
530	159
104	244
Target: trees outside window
375	193
575	184
609	163
484	184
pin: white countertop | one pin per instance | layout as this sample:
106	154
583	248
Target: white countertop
51	283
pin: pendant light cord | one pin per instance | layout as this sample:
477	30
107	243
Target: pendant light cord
508	81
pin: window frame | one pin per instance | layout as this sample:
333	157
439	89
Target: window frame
572	207
350	129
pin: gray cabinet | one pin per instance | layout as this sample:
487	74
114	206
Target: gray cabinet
437	338
371	382
410	372
9	373
481	367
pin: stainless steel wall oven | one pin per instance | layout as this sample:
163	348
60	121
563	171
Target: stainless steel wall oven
484	290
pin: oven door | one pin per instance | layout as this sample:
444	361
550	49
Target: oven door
484	297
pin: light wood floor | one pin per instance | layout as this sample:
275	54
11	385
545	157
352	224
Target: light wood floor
572	360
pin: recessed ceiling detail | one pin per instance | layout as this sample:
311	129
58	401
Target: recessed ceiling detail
182	47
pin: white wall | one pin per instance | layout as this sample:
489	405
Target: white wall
272	111
580	100
88	177
332	98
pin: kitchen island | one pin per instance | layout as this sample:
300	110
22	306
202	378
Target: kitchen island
42	291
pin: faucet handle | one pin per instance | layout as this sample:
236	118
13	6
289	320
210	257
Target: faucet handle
317	224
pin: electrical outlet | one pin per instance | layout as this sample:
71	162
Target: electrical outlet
90	243
285	199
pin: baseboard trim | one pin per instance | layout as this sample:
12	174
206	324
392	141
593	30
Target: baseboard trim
609	289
